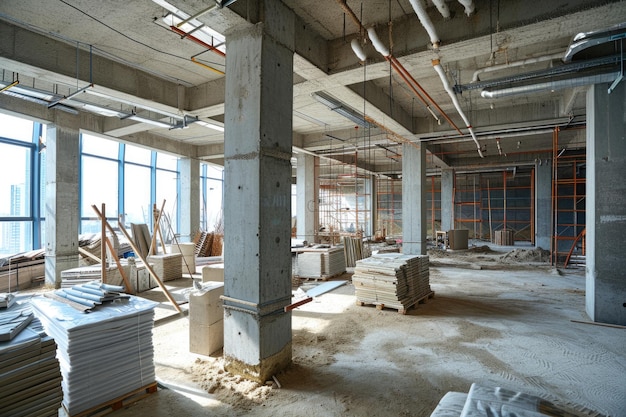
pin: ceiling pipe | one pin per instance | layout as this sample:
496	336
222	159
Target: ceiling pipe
475	77
358	50
426	22
13	84
203	65
550	85
184	34
408	78
469	6
443	8
455	101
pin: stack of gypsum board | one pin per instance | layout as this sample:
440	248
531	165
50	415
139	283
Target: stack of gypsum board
104	354
391	279
321	262
30	375
92	294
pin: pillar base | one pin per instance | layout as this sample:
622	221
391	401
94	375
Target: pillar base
263	371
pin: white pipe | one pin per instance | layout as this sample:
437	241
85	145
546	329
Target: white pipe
378	45
469	6
425	21
358	51
443	8
455	101
515	64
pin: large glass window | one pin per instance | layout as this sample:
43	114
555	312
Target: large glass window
16	167
212	197
16	128
137	205
99	179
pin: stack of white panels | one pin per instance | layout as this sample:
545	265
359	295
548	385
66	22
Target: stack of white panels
392	279
321	263
105	354
30	375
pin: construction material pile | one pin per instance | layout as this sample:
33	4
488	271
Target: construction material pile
392	280
105	354
30	374
208	244
320	262
87	296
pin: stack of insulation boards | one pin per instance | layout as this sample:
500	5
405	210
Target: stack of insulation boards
30	374
105	354
320	262
392	280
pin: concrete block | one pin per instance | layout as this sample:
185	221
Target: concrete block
205	305
206	339
457	239
213	272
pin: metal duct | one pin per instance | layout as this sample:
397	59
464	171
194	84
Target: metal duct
426	22
550	85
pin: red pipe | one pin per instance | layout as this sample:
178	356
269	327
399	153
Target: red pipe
198	41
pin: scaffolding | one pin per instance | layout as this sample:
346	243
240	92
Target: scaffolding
568	203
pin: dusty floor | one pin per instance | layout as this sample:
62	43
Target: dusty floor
509	328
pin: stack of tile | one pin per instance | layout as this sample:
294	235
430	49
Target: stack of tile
167	266
393	280
320	262
105	354
30	375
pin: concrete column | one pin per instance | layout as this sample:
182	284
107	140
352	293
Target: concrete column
257	201
543	204
307	197
189	202
447	199
606	204
413	199
62	211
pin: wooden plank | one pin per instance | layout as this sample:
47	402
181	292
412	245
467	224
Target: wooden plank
149	268
117	403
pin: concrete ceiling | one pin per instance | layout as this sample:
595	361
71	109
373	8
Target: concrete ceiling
127	74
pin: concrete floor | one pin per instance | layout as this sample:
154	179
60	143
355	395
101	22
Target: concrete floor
511	328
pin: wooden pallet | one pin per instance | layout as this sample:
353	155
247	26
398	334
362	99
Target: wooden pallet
403	309
117	403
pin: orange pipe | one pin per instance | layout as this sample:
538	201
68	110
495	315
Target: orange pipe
426	94
193	59
198	41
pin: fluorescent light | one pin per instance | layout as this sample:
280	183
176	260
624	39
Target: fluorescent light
210	125
146	120
341	108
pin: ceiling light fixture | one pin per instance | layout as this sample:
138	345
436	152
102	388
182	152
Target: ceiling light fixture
341	108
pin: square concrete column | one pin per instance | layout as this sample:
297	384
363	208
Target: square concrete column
257	201
413	199
307	198
62	211
543	204
189	202
447	199
606	204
